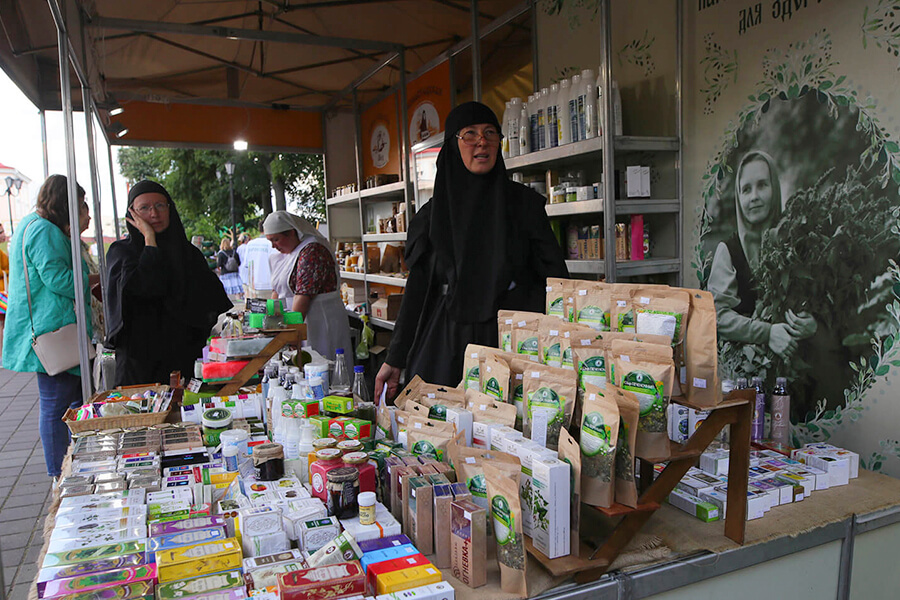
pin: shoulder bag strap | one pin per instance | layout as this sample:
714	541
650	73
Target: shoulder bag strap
27	283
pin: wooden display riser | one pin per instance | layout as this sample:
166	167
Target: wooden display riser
288	335
737	411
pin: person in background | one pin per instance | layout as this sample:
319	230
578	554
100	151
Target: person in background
4	283
305	276
482	243
44	236
242	258
227	263
97	320
163	298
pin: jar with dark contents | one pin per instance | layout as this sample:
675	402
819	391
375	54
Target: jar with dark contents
269	459
343	490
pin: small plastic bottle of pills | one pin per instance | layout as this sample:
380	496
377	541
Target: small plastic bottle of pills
366	502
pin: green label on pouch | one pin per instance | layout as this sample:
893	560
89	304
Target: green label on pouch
557	307
493	388
592	370
626	322
473	376
595	435
528	346
506	341
552	354
426	448
547	398
504	523
438	412
594	317
477	486
567	360
648	391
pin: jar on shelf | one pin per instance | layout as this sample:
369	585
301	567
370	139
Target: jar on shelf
327	460
343	492
367	474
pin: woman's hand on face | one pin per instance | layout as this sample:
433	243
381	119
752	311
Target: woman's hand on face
782	340
387	376
803	323
143	226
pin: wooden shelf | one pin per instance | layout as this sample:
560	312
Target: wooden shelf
567	565
290	334
353	275
383	192
343	199
620	510
583	207
384	237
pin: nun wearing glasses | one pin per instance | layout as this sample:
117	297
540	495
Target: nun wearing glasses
482	243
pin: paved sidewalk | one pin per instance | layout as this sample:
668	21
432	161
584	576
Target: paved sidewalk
24	484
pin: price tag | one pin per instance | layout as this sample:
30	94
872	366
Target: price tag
508	321
535	374
522	323
470	460
482	407
195	384
431	395
645	300
582	292
699	383
586	342
554	332
621	303
417	425
625	358
548	289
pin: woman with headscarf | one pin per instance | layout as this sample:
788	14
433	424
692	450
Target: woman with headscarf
482	243
42	299
731	280
163	297
304	274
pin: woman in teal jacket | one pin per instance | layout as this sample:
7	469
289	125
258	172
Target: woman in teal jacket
48	254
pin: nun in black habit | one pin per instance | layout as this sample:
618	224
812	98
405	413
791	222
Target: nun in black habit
163	297
482	243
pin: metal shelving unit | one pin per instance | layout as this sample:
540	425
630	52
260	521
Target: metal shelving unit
353	276
384	237
386	280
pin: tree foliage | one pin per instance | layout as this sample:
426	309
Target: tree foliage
199	185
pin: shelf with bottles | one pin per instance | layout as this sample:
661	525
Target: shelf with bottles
348	199
581	207
386	280
555	156
384	237
383	192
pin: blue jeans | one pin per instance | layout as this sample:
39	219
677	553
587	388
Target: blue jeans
58	393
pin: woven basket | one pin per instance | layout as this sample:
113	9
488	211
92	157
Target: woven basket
131	420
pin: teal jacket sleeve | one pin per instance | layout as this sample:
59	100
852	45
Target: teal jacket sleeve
49	256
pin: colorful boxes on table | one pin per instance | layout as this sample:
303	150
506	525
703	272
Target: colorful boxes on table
200	559
332	581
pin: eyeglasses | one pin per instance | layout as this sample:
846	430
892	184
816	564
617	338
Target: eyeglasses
471	137
160	207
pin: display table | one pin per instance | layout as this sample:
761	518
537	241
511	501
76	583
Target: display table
676	550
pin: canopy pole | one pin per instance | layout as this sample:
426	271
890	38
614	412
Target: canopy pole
44	143
66	97
112	190
89	109
476	55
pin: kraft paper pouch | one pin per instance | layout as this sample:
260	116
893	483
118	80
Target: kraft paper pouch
506	516
570	453
517	370
661	312
550	335
621	312
469	466
567	360
525	334
383	428
401	420
550	395
556	297
411	390
438	404
486	409
629	413
471	379
495	378
504	329
599	434
700	352
418	423
592	307
416	409
429	441
648	372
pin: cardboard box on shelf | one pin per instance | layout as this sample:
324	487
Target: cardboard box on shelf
387	308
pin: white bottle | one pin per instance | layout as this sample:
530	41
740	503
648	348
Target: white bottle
553	117
304	447
599	103
275	390
617	108
589	85
291	438
533	143
565	126
524	130
574	91
544	123
512	126
504	146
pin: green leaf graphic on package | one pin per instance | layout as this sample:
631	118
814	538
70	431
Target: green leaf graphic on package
493	388
557	308
426	448
528	346
594	314
438	412
504	524
473	375
552	352
595	435
648	391
477	486
547	398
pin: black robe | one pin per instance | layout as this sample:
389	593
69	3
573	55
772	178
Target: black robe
163	302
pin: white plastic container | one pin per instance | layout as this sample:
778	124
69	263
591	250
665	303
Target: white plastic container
589	87
318	369
543	128
574	91
564	128
511	126
504	146
524	130
553	116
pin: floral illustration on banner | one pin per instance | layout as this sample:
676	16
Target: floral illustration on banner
882	26
719	70
828	254
637	53
575	9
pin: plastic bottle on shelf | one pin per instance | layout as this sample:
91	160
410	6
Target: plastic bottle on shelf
617	108
340	380
574	92
304	448
533	111
741	383
543	123
275	391
781	412
758	427
524	130
504	145
511	126
291	438
589	85
564	128
270	371
553	116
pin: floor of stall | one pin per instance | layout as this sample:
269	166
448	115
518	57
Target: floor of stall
24	485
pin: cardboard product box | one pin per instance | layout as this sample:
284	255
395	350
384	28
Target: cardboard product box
421	516
315	534
268	560
387	308
131	534
185	538
332	581
444	495
785	490
62	531
678	423
436	591
633	182
338	404
265	577
807	484
772	494
265	543
96	581
636	243
823	479
392	541
376	556
838	468
693	505
377	570
297	512
550	479
95	553
398	474
695	419
186	525
714	462
398	581
192	561
385	525
468	542
185	588
529	452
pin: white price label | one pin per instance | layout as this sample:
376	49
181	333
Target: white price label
699	383
625	358
470	460
621	303
645	300
582	292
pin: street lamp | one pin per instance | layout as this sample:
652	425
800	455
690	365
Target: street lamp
12	183
229	168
